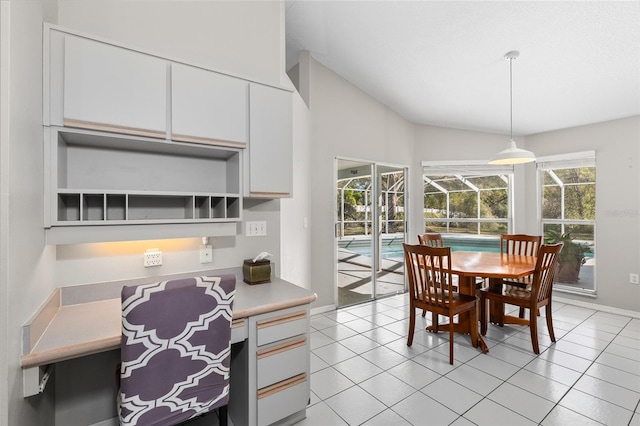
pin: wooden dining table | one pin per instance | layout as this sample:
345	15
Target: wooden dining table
469	265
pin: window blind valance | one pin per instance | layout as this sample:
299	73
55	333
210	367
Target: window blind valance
567	161
473	168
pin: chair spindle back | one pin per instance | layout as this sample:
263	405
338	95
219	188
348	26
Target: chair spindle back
431	239
429	273
521	244
545	271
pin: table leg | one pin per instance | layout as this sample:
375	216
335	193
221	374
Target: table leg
496	310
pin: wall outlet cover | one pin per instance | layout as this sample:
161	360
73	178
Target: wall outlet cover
152	257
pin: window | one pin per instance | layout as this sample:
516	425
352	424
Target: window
472	199
567	199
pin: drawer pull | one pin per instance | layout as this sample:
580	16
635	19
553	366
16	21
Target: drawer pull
281	319
237	323
113	128
280	386
287	346
207	141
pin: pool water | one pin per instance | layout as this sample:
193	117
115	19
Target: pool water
395	251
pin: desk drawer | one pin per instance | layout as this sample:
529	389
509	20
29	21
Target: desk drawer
282	399
281	361
239	330
281	327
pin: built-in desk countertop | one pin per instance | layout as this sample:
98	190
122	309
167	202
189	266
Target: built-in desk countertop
83	320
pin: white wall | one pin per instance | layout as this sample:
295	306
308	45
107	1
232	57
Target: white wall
295	212
241	37
244	38
345	122
617	146
27	265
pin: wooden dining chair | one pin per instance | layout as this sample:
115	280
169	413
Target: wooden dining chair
429	289
533	298
524	245
175	350
431	239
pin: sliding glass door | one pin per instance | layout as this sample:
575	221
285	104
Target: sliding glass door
370	229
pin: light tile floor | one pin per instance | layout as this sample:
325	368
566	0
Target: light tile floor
363	373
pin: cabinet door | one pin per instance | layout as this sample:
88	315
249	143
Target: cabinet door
207	107
114	89
269	171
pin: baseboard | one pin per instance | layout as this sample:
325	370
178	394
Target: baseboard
602	308
322	309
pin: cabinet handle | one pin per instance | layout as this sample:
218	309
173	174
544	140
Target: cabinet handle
280	386
117	129
281	319
207	141
237	323
283	347
270	194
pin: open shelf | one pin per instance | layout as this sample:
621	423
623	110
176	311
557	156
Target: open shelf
108	179
78	207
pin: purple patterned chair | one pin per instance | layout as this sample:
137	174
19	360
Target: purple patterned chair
175	350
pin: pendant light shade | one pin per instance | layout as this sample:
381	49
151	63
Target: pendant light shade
512	154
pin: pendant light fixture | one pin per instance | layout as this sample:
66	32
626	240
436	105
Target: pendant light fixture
513	154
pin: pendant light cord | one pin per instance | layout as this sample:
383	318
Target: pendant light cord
511	95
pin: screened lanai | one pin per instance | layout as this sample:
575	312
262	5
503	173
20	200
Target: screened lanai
370	264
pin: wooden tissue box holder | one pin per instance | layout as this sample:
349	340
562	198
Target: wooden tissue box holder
256	272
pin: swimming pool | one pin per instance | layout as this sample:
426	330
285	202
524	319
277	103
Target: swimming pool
392	247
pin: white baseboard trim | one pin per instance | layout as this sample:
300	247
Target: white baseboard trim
603	308
322	309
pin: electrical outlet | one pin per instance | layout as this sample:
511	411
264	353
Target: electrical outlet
152	257
257	228
206	254
634	279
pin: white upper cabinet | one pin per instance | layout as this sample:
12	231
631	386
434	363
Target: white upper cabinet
269	173
113	88
207	107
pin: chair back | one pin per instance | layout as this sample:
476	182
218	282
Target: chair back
175	349
430	276
431	239
521	244
545	271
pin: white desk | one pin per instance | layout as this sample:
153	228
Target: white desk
270	363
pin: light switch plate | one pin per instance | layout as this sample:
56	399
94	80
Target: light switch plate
206	254
256	228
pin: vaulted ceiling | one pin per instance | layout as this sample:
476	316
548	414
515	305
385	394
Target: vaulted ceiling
442	62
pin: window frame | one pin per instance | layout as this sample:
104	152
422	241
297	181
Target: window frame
567	161
475	168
